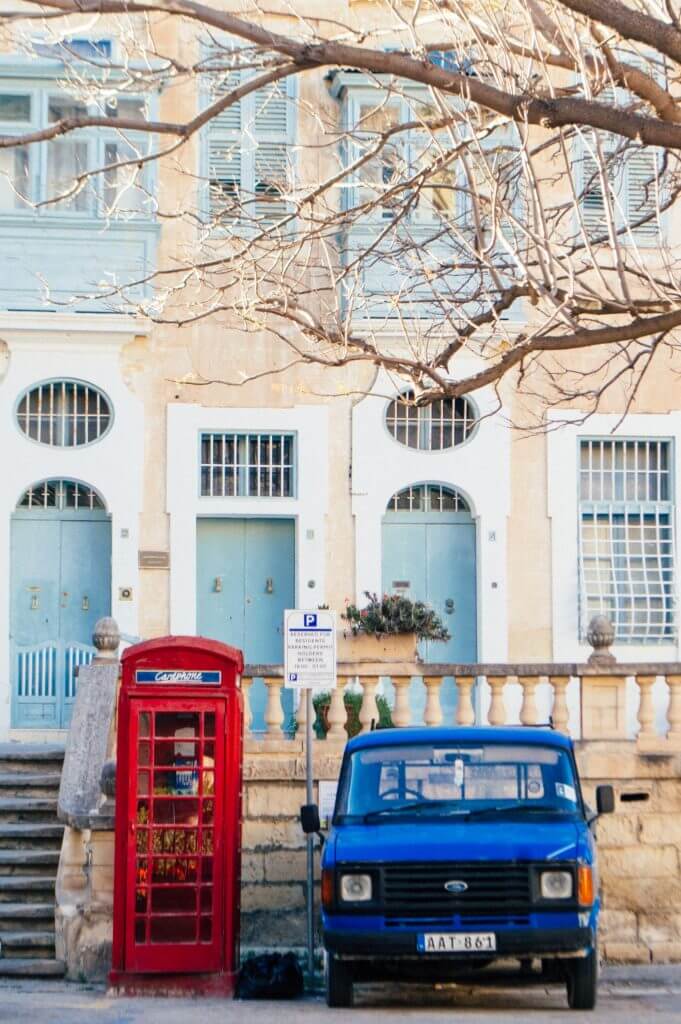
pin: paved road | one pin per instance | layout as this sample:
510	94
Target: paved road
634	995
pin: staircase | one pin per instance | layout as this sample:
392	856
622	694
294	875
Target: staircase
30	842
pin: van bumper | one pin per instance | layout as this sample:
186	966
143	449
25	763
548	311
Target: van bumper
523	942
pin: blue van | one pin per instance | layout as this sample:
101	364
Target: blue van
454	848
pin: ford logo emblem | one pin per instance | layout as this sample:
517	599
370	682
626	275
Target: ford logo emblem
456	886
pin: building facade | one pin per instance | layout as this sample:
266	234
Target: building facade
140	483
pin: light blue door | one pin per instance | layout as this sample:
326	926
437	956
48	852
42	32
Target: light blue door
245	581
60	586
429	554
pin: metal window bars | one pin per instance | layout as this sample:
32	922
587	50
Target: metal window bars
247	465
444	424
64	413
427	498
60	495
626	539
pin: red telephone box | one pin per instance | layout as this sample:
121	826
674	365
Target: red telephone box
178	817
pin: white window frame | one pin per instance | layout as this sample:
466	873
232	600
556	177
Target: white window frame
562	448
96	139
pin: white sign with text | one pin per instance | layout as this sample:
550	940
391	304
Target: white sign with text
310	649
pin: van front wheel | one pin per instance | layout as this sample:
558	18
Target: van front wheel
338	983
582	982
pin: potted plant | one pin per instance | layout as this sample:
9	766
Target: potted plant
388	628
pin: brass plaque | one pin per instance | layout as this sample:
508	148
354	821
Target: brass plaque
154	559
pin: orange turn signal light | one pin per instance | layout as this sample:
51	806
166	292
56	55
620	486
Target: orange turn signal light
327	889
585	885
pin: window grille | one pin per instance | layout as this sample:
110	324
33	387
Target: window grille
626	538
443	424
427	498
64	413
247	465
61	495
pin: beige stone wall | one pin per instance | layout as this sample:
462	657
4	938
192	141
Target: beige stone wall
639	858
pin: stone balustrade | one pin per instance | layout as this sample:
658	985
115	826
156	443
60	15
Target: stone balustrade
613	701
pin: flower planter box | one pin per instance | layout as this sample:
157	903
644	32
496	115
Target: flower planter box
371	647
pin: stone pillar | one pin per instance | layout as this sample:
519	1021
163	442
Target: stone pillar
559	712
337	715
401	712
497	707
465	714
432	715
674	710
246	684
528	711
646	710
274	713
369	710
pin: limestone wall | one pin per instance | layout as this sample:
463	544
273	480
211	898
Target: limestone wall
639	857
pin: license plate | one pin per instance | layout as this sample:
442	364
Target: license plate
456	942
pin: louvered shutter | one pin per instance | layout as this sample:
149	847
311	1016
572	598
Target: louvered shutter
224	155
642	193
270	162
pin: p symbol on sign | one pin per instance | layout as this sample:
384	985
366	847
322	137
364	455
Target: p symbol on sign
310	620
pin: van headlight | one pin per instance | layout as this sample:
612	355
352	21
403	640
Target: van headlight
355	888
556	885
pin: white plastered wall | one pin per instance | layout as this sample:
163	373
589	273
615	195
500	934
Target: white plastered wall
185	504
479	469
84	348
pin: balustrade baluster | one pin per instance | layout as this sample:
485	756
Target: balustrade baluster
646	709
337	714
369	710
497	707
559	711
274	713
674	710
465	714
528	711
402	712
432	715
246	684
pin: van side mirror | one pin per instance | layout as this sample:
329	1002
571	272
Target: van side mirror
309	819
605	799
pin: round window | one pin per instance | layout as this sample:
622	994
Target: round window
443	424
64	413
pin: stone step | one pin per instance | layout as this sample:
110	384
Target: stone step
31	757
28	805
30	967
30	830
29	859
27	911
25	941
25	883
32	780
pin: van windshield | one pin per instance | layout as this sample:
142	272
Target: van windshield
464	780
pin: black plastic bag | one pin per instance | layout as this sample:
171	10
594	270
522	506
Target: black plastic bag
270	976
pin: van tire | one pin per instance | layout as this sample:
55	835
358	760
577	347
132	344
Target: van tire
338	983
582	982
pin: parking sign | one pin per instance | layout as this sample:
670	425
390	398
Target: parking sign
310	649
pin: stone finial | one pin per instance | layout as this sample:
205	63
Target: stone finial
106	638
601	634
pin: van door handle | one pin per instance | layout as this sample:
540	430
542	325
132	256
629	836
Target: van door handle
449	606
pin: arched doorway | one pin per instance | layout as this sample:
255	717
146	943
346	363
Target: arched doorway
429	554
60	586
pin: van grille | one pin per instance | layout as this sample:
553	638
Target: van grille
419	889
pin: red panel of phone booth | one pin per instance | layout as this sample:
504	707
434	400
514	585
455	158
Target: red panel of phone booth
178	817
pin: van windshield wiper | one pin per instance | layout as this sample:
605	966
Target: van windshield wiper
408	807
518	805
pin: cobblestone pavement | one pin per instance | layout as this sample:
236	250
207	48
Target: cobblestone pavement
631	994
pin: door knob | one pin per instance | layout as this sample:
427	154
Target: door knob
86	603
35	603
65	598
217	585
449	606
269	585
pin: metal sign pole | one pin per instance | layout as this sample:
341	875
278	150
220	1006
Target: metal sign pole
310	839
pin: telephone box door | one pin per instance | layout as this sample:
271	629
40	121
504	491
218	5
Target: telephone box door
175	912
